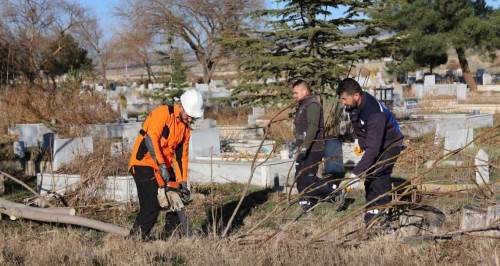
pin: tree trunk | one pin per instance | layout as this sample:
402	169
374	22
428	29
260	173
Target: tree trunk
464	64
14	205
103	69
32	213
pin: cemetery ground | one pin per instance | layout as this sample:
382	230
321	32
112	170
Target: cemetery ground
266	230
252	240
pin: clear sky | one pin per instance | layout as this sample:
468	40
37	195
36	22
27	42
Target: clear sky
105	8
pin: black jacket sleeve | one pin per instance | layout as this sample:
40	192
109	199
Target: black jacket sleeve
375	134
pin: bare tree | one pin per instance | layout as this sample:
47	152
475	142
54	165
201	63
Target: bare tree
28	24
136	45
92	37
200	24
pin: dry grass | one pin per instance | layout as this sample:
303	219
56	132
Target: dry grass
59	109
94	168
30	243
226	115
483	98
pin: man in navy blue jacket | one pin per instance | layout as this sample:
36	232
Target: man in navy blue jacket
379	136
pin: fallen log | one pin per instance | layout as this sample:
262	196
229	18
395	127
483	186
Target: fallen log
446	188
66	211
31	213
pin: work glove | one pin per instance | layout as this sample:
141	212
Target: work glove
353	179
302	154
358	151
164	173
162	198
185	192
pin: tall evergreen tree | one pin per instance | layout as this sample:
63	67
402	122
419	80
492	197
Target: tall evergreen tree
426	26
301	39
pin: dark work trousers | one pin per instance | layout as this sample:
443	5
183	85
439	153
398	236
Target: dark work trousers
378	180
147	190
308	183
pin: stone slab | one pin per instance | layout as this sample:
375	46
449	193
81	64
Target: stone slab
258	112
482	168
30	134
462	92
429	80
266	175
46	182
204	143
66	150
457	139
241	132
129	134
446	122
251	146
417	128
121	189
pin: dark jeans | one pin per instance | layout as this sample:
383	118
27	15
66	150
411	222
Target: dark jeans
378	181
147	190
307	182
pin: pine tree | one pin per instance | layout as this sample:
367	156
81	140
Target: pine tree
177	83
426	29
178	76
301	39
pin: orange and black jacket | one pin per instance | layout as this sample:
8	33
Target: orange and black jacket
170	137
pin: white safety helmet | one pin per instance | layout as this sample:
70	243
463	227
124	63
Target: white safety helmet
192	102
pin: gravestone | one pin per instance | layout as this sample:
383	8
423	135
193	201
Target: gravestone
429	80
419	75
462	92
419	91
116	149
217	83
19	149
252	121
493	213
487	79
258	112
457	138
478	218
482	168
204	143
472	218
66	150
129	133
113	130
201	87
30	134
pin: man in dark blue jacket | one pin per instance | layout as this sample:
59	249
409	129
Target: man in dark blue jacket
379	136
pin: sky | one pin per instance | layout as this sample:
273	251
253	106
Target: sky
105	8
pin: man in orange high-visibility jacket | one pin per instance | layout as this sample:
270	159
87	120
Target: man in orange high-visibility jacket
160	156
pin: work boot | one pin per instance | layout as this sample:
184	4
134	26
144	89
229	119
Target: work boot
341	201
306	204
382	217
370	215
